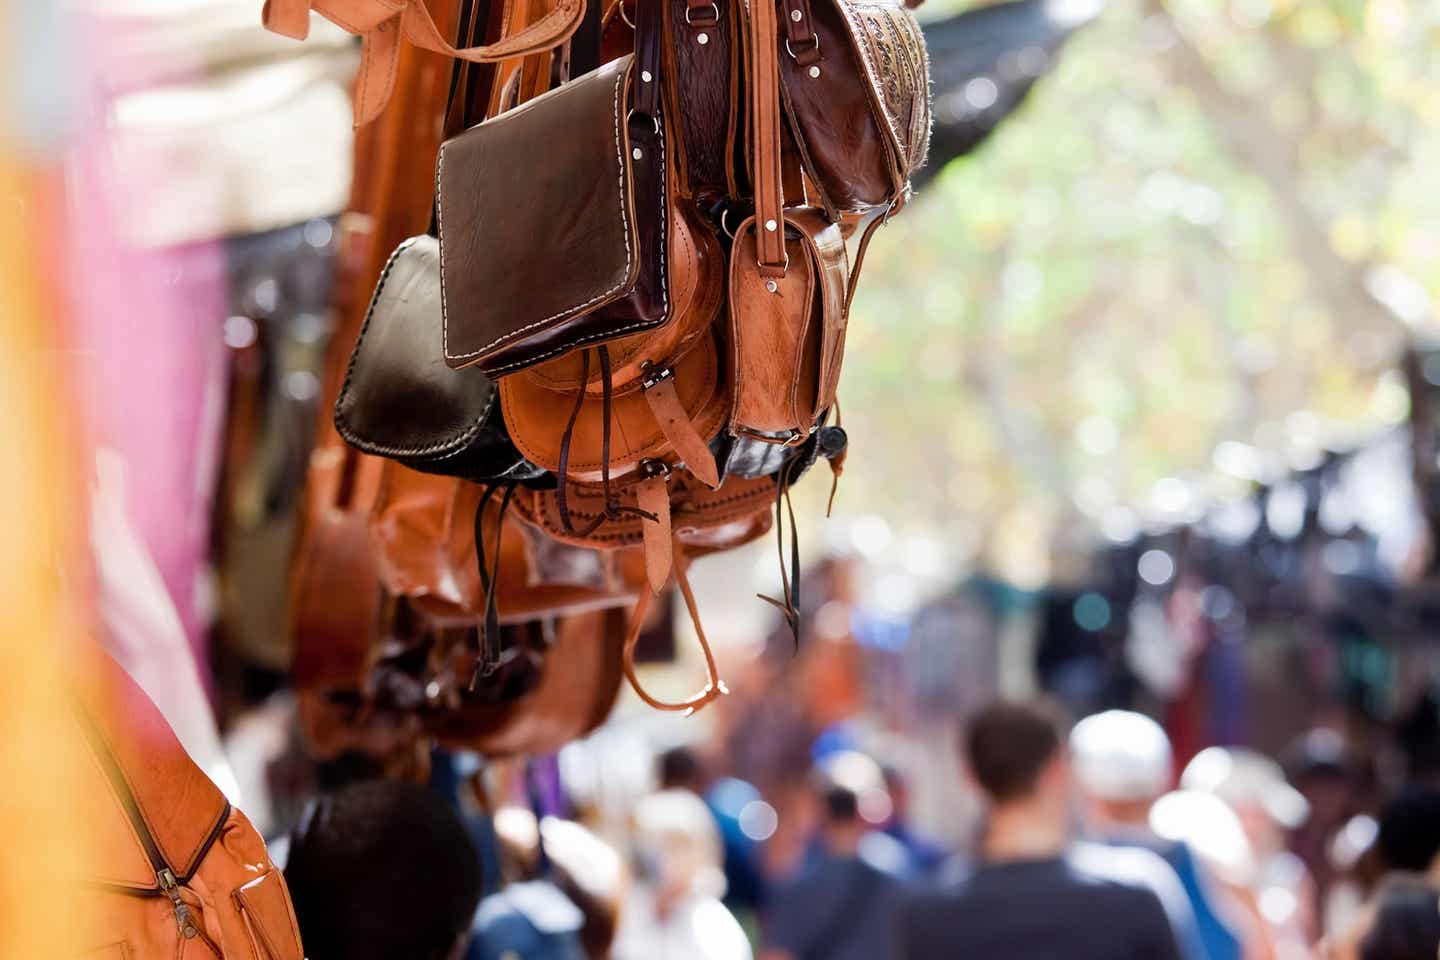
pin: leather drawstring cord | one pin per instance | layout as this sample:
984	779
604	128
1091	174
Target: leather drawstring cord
837	466
789	604
613	508
714	686
490	653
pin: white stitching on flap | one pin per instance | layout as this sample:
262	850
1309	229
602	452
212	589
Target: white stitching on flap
440	229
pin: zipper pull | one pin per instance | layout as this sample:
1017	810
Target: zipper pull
171	888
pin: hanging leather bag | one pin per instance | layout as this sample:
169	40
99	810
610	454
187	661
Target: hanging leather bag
855	80
788	279
584	190
178	872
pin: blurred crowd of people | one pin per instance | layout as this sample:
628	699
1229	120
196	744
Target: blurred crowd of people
1087	846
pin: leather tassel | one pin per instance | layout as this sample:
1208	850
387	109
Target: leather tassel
654	497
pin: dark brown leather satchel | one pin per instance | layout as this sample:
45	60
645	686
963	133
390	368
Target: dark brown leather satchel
400	400
583	197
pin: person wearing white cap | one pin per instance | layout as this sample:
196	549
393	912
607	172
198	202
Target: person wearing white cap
1255	787
1123	762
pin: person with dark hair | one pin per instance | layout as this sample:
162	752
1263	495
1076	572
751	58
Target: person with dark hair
1027	899
841	905
1406	924
1402	923
1409	838
679	769
383	870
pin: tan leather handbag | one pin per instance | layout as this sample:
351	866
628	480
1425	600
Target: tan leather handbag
788	279
180	873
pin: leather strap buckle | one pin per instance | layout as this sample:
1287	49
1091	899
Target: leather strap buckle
651	375
713	20
640	113
792	438
654	468
813	47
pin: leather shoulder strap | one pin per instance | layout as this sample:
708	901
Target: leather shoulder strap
765	129
382	22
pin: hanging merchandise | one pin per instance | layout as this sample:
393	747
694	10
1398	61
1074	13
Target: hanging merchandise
620	340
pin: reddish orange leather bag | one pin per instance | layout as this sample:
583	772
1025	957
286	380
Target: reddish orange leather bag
181	873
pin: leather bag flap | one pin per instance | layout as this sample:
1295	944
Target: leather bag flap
399	398
537	225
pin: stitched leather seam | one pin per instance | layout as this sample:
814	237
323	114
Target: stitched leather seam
882	114
648	447
609	334
449	445
440	229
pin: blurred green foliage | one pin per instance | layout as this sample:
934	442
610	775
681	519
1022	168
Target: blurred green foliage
1212	221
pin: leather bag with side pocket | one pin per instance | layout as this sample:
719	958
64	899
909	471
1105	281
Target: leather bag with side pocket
178	872
789	276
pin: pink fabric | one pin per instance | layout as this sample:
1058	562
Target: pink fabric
152	360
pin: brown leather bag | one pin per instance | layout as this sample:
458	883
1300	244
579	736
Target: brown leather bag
180	872
591	206
788	279
856	84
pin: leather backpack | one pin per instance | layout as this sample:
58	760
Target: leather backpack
180	872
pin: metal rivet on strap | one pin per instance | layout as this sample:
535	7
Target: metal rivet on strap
636	153
772	286
703	39
770	225
814	72
796	15
645	75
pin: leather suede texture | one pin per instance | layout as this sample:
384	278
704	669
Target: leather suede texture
787	343
697	283
238	906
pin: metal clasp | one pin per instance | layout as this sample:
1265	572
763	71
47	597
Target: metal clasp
654	468
714	16
791	50
651	375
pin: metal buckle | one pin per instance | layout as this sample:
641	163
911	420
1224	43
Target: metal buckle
714	16
650	375
649	468
628	22
633	113
791	50
795	439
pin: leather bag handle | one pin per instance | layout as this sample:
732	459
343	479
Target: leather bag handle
381	23
765	146
714	686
